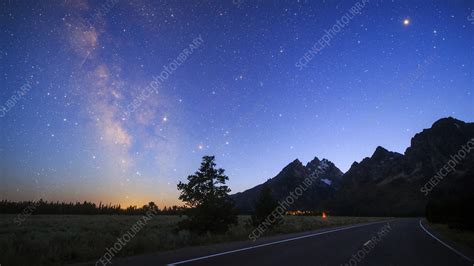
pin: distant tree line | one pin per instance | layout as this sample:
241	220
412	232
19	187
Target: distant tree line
87	208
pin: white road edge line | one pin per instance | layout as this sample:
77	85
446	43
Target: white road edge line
274	243
446	245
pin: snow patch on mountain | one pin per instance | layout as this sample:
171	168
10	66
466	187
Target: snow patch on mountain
327	181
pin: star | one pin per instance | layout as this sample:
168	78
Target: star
240	86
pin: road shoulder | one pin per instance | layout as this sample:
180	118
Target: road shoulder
459	248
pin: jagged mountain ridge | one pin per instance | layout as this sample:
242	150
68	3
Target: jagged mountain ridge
387	183
292	176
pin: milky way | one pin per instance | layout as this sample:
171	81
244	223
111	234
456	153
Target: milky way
118	101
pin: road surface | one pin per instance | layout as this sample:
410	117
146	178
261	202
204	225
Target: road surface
394	242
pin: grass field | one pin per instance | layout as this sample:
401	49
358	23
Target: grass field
463	237
60	239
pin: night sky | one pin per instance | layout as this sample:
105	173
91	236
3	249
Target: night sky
78	120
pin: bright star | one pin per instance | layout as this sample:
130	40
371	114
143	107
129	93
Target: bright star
406	22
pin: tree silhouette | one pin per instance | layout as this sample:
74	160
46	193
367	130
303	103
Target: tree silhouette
264	207
206	195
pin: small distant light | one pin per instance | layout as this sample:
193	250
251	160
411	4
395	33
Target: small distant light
406	22
165	119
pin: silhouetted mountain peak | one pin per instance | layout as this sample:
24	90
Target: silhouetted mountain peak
326	161
324	169
295	168
447	122
354	164
296	161
380	152
315	161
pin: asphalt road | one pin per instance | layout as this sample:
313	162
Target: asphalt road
395	242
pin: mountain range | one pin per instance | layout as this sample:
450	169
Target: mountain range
437	169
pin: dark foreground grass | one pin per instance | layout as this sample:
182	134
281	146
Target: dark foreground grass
463	237
60	239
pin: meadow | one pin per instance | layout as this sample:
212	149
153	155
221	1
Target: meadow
60	239
460	236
